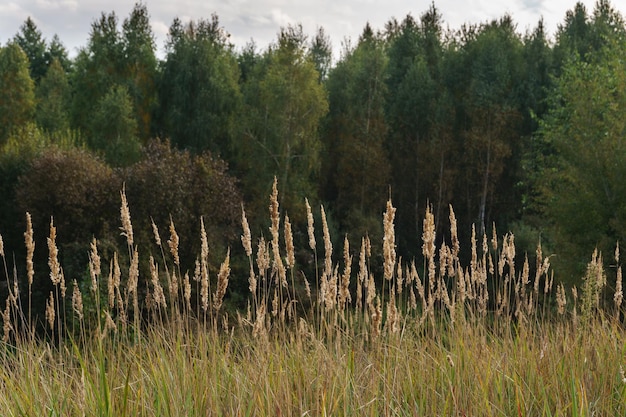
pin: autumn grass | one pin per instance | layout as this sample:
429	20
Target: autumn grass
491	338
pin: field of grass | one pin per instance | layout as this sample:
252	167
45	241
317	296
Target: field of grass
491	338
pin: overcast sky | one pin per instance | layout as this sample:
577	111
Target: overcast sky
261	19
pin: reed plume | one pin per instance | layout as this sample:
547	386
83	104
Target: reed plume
389	241
30	250
127	226
222	282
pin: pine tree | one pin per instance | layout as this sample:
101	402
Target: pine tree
30	39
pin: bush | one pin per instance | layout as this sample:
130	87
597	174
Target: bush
77	190
168	182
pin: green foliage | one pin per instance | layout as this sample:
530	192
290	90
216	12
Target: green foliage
284	103
356	165
57	51
114	129
537	78
199	94
581	189
53	100
432	116
17	91
321	53
419	109
582	36
97	69
491	119
140	67
30	39
111	61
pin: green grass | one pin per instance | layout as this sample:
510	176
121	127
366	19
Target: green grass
451	352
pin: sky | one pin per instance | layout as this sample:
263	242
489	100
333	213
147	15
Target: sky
261	20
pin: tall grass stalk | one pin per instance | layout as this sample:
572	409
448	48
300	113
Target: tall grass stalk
490	338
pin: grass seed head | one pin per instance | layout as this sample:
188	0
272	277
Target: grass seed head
310	227
222	282
561	299
30	249
94	265
428	234
6	321
173	242
246	239
389	241
344	291
454	235
187	290
77	301
127	226
155	232
50	312
328	245
157	289
618	296
290	260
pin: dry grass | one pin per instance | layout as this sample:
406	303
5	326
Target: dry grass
488	338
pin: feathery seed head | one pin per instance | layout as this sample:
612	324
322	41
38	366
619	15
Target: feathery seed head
30	249
328	246
155	232
561	299
53	255
274	213
454	234
77	301
187	290
619	295
428	234
246	239
50	313
157	289
389	241
310	228
290	259
94	265
222	282
127	226
173	243
6	321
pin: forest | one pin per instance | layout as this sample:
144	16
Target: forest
512	129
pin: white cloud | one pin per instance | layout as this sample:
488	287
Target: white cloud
280	18
262	19
70	5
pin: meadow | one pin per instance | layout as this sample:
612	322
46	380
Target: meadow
436	338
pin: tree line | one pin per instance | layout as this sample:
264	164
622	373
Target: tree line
513	129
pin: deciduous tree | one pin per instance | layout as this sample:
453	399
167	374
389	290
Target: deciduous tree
357	170
53	100
284	103
581	183
199	95
17	90
114	128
